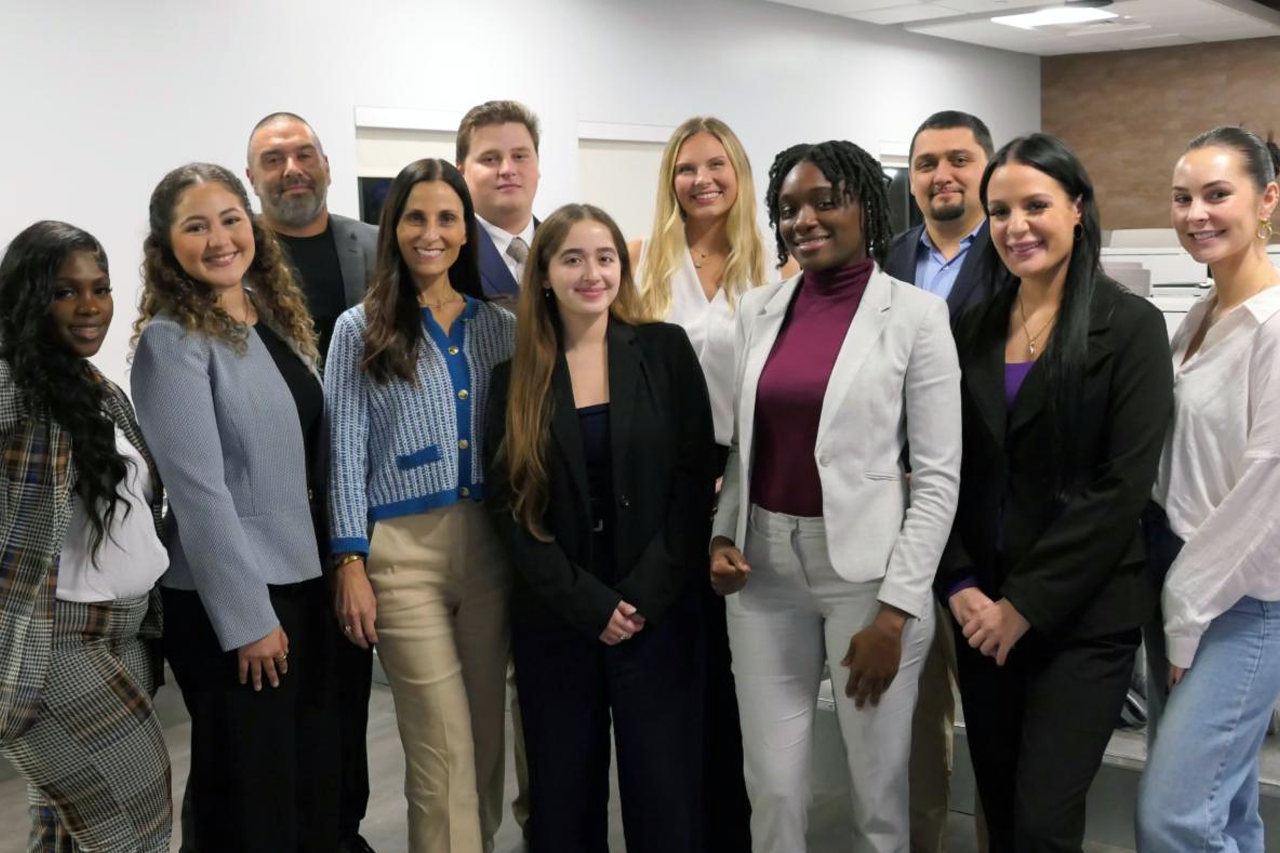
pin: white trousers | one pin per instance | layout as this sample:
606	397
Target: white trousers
795	616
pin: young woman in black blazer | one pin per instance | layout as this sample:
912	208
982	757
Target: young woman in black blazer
1066	391
600	453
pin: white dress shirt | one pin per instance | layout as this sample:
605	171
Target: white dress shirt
502	239
712	330
1219	475
131	557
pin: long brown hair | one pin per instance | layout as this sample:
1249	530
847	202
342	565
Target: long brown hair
393	319
539	341
168	288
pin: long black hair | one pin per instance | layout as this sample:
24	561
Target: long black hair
393	319
855	174
1065	357
56	383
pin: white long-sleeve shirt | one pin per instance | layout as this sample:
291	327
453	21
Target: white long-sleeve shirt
1219	477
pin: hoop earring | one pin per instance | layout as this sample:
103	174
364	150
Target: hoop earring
1265	230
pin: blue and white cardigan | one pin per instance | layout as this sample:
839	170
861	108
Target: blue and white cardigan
401	448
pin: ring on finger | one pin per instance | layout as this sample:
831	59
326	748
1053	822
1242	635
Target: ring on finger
346	629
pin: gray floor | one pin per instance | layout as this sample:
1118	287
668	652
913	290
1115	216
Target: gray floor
384	825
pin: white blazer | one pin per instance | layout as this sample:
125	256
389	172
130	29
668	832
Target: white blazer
894	393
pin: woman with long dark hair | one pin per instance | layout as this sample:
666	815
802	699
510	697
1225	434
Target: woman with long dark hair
225	381
407	388
847	380
1216	652
80	554
599	447
1066	395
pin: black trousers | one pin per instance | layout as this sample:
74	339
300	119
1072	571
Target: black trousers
354	669
651	686
264	765
1037	730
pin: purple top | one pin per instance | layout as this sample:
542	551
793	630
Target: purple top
1014	375
789	395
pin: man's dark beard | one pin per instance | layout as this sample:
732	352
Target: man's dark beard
946	214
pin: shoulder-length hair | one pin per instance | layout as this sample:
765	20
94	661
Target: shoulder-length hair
1066	355
393	319
667	247
54	382
169	289
539	342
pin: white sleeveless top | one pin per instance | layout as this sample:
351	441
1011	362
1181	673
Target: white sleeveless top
711	327
131	558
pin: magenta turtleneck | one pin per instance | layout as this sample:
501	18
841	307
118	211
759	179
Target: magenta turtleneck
784	473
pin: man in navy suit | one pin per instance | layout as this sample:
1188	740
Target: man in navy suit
949	255
498	156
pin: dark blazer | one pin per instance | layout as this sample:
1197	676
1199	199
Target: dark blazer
500	286
975	283
663	447
357	244
1072	567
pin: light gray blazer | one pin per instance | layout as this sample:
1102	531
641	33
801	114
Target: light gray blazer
895	388
357	244
223	429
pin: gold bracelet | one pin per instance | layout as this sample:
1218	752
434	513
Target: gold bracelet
344	560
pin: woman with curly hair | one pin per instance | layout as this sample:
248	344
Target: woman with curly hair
80	554
847	380
407	389
228	395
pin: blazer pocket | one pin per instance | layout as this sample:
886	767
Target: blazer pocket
430	453
882	475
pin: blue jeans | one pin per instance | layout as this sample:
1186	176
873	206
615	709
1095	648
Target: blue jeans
1200	788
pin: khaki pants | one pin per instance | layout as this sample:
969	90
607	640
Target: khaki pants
442	588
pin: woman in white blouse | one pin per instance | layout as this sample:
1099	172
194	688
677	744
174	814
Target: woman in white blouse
1218	483
704	253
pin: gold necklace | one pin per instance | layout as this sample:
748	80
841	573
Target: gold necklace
1031	339
699	261
436	306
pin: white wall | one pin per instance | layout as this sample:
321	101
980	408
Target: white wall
100	99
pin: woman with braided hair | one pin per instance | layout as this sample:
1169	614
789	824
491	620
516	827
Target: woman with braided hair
846	379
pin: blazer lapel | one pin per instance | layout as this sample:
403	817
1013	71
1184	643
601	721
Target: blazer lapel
972	276
868	324
759	343
494	273
351	260
565	430
902	261
983	368
626	384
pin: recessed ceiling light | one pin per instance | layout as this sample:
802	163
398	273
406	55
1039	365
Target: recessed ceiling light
1056	15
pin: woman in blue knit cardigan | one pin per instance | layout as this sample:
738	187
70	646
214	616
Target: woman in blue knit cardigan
417	568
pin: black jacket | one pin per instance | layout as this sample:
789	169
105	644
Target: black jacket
663	461
1072	567
976	281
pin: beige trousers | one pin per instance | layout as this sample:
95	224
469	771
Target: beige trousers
442	590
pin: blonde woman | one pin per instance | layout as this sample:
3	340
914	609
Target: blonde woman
229	400
704	253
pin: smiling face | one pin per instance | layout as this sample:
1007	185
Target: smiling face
1217	209
585	271
821	229
1033	221
946	169
431	231
212	236
501	170
289	173
81	310
705	183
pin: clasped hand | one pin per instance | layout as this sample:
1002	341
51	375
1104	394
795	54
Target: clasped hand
991	627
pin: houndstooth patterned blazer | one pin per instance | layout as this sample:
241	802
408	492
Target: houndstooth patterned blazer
37	482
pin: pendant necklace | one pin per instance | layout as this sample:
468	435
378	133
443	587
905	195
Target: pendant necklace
1031	339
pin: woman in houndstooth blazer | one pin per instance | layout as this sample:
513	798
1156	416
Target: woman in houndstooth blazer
80	554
